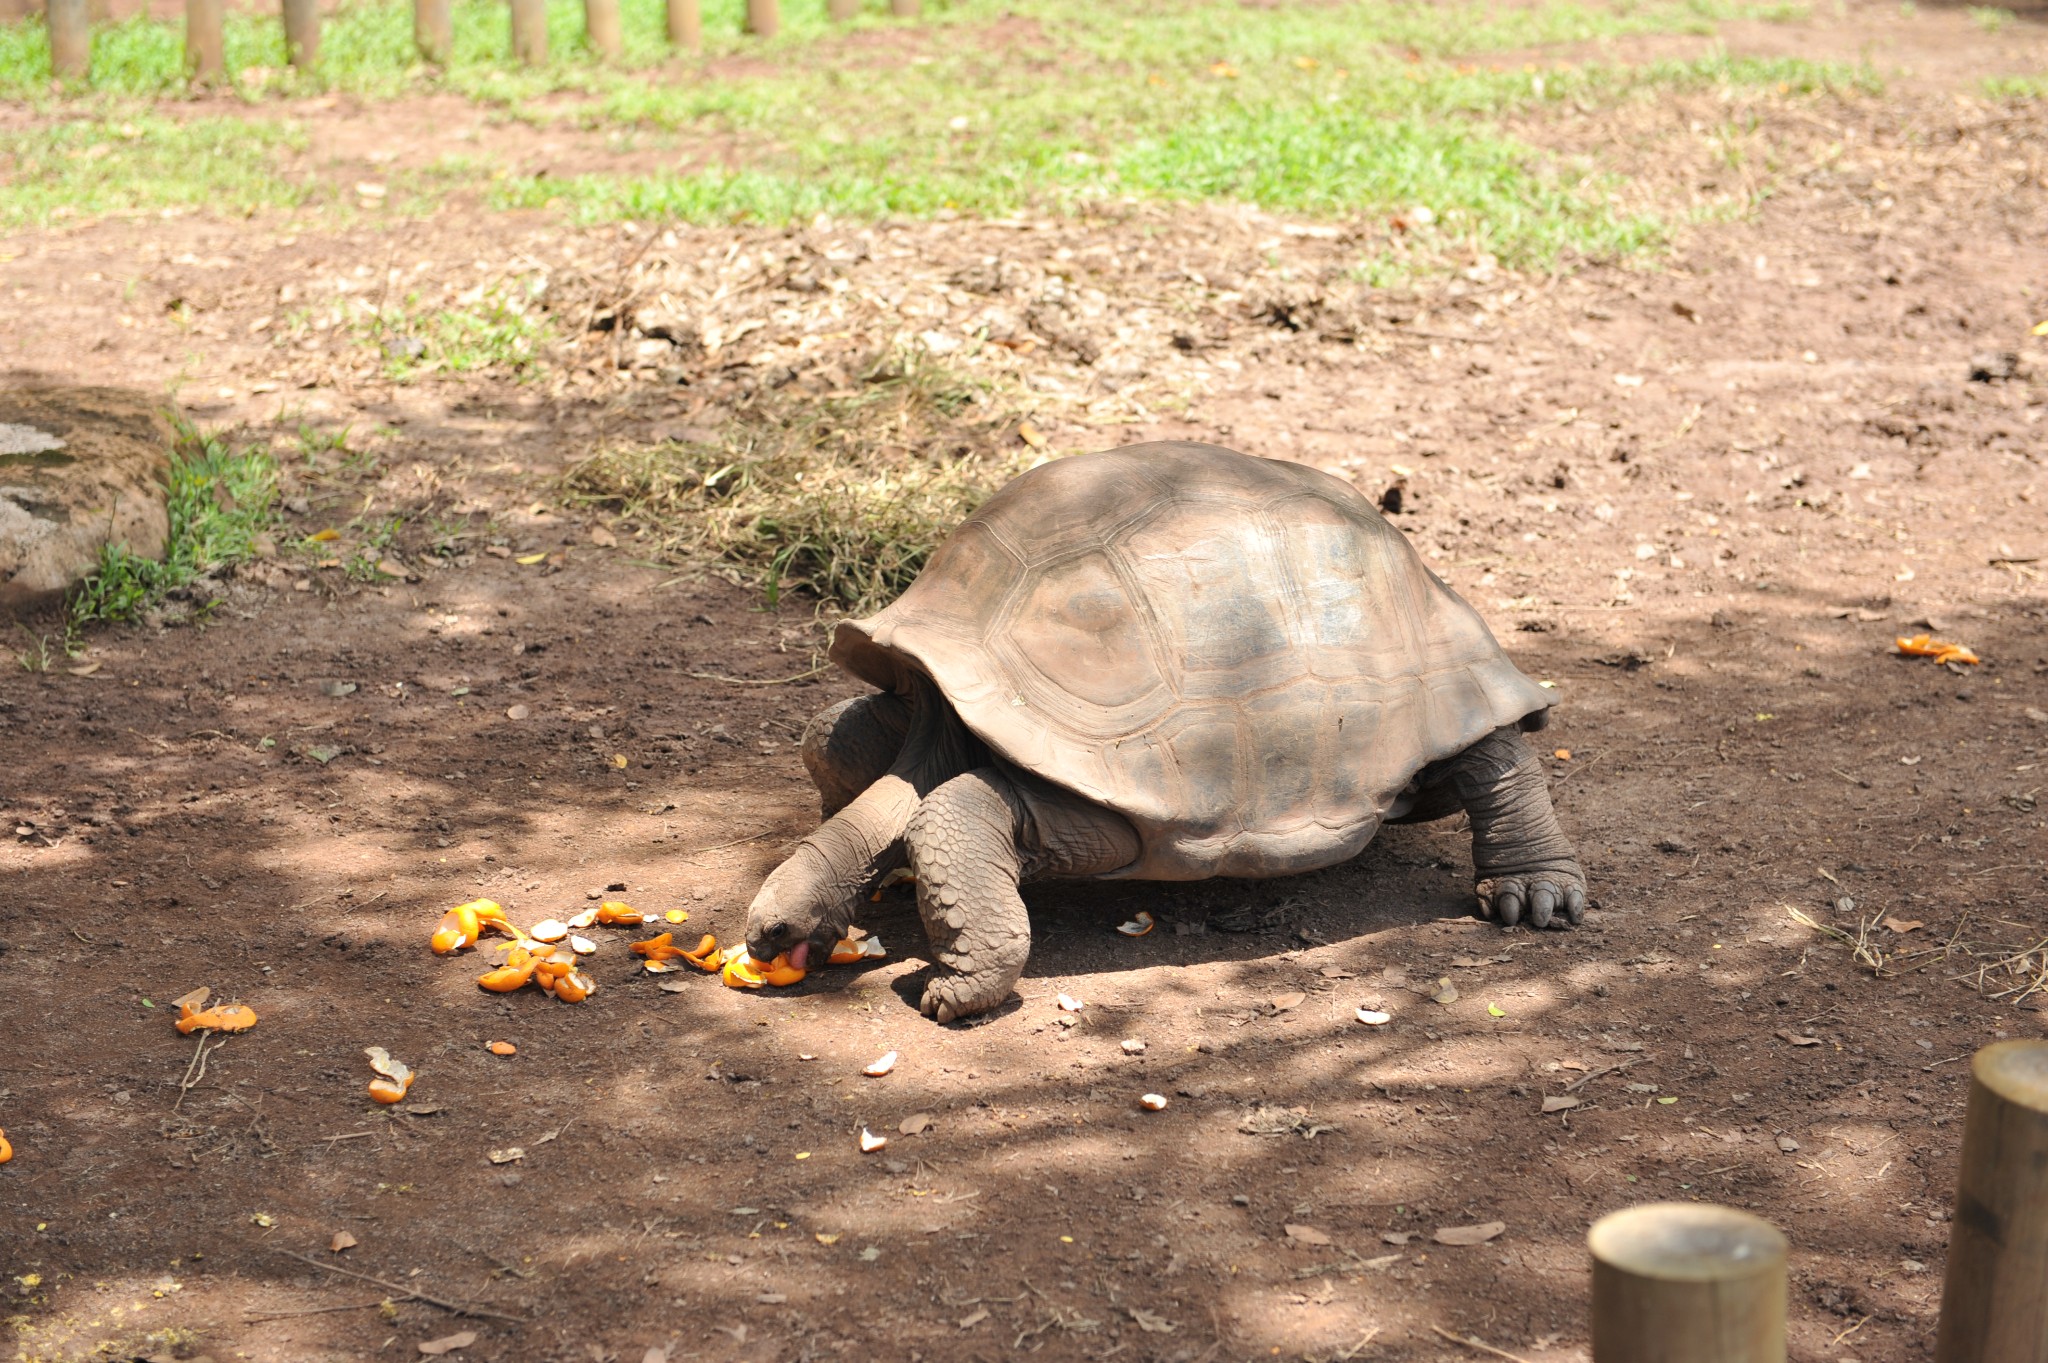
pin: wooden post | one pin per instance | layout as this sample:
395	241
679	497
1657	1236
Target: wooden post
601	28
204	62
1994	1307
841	10
1685	1282
70	39
530	31
433	30
302	32
905	9
686	25
764	18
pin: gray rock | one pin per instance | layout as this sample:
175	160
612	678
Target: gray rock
80	468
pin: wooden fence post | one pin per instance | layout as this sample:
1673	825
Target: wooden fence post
1994	1306
841	10
205	63
686	25
601	28
1686	1282
764	18
70	39
530	31
433	30
302	32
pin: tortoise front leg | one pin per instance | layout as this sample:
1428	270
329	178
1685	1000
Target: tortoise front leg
1519	854
963	848
849	746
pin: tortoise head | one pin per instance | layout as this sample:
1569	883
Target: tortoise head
807	903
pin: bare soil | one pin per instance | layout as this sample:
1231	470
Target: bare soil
1702	498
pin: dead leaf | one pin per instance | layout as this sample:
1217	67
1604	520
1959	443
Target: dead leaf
973	1318
1030	435
1396	1237
1282	1002
337	689
509	1155
1151	1324
1787	1035
1335	972
342	1240
1903	924
517	712
448	1344
83	669
915	1123
1446	992
1308	1235
603	538
1469	1235
1558	1102
655	1354
391	567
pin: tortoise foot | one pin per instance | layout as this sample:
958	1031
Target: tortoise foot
950	996
1542	895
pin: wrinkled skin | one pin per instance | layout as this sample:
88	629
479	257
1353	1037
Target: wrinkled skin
900	779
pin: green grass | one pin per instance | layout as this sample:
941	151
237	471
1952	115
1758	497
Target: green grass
142	162
495	331
2015	87
1990	18
1324	110
220	500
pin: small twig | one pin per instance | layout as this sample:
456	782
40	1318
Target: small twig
1474	1342
1850	1331
415	1294
324	1310
752	837
198	1064
746	681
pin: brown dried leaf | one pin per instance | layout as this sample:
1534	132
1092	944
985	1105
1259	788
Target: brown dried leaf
1903	924
342	1240
1308	1235
1469	1235
1282	1002
448	1344
1558	1102
915	1123
1787	1035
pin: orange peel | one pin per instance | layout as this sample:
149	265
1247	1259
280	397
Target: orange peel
654	948
1140	924
620	914
742	971
849	949
509	976
6	1150
1941	650
395	1076
780	973
457	929
574	986
195	1016
502	1048
707	956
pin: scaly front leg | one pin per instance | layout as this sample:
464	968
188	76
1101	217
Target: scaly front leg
963	846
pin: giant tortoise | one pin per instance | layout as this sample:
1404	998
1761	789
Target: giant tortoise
1161	662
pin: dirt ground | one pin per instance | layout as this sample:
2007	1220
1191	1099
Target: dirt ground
1701	498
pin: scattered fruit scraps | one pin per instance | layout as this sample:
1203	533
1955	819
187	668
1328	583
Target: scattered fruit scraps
1927	646
395	1076
195	1016
6	1150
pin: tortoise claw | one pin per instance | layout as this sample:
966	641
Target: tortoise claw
1507	907
1544	899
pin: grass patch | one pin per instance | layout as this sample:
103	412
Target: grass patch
2015	87
220	501
79	168
492	330
1990	18
844	496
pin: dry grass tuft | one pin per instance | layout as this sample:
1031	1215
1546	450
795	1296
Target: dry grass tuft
843	494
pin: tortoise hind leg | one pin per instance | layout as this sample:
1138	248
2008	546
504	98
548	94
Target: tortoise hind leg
849	746
971	842
1520	856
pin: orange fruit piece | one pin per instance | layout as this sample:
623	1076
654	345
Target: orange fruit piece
619	914
502	1048
844	952
654	947
706	956
232	1018
457	929
389	1090
780	973
508	977
574	987
6	1150
742	972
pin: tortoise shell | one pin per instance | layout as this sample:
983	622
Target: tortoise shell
1239	655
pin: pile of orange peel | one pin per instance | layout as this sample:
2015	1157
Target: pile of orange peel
1927	646
738	969
195	1016
546	954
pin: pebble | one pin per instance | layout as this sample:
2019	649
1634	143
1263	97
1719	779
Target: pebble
1134	1047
